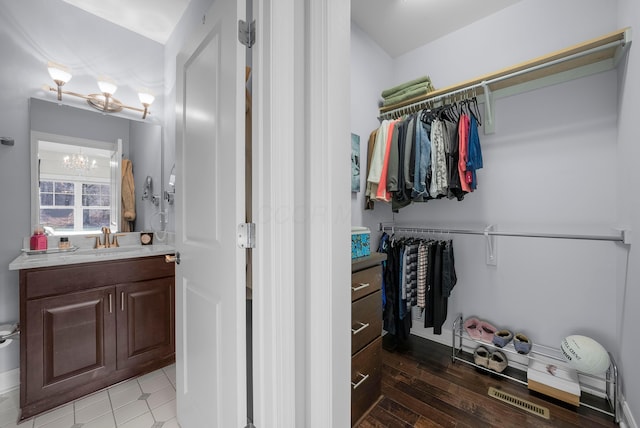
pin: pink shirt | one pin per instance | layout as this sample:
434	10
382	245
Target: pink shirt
382	194
463	147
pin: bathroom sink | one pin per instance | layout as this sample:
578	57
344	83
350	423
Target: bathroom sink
35	257
107	251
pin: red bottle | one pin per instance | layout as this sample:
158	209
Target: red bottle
38	239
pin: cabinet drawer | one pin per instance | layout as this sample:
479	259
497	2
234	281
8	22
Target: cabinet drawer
51	281
366	375
365	282
366	320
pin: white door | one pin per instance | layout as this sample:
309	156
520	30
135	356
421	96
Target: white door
210	276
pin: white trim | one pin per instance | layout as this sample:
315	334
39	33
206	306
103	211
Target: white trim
426	333
9	380
329	213
301	261
273	199
627	419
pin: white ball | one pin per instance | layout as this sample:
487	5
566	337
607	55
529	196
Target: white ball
585	354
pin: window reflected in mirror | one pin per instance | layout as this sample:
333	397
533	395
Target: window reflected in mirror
78	185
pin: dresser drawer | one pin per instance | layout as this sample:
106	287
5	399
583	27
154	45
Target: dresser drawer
366	379
365	282
366	320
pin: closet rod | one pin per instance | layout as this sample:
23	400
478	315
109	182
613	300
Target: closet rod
484	84
420	229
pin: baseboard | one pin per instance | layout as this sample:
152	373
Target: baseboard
9	380
627	420
427	333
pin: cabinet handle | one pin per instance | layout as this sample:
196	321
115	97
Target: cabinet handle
362	286
172	259
122	301
110	303
363	326
355	385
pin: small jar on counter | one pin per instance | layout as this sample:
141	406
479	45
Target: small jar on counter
64	243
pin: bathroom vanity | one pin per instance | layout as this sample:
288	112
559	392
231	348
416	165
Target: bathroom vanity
91	320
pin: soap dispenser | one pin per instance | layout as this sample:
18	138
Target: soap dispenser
38	239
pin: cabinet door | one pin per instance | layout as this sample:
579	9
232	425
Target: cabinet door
70	339
145	322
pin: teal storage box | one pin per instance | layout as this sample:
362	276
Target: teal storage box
360	242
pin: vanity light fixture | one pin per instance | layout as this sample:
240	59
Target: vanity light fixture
60	74
104	101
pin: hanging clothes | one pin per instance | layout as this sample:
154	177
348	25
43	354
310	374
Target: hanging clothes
451	135
419	272
422	275
439	182
383	248
368	202
429	155
377	160
382	193
422	161
402	197
474	159
463	143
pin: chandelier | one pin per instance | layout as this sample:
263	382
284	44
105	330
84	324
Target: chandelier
103	101
78	163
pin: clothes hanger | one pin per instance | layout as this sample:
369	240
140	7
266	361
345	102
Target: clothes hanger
476	113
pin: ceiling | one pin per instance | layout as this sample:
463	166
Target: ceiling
397	26
154	19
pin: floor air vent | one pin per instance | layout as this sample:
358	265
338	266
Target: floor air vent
519	402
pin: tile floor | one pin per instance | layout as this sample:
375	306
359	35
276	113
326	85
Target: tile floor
145	402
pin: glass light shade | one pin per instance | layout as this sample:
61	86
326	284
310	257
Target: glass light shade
58	72
146	98
107	86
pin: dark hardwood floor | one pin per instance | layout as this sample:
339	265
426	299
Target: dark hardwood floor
421	387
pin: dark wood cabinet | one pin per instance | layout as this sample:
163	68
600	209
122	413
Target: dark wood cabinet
366	330
145	323
88	326
67	339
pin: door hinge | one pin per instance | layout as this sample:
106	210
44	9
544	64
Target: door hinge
247	235
247	32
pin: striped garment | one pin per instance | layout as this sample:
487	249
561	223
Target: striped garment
422	275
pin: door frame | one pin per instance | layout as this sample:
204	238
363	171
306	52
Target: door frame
301	200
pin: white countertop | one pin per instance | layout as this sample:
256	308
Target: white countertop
88	255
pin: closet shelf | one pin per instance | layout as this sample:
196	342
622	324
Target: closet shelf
590	57
547	355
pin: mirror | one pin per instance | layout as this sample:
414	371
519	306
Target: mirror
77	157
78	184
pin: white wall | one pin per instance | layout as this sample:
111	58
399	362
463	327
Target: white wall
518	33
371	72
551	166
147	161
33	32
629	213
